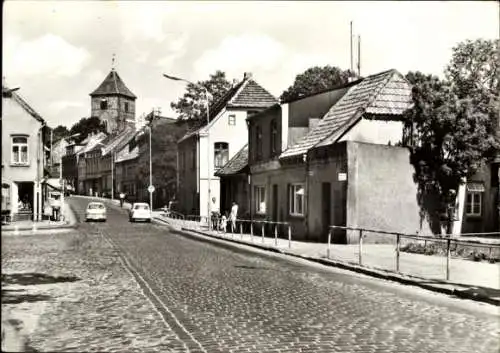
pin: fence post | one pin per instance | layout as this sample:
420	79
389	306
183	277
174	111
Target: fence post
262	229
289	237
398	244
276	235
329	242
241	230
360	246
448	255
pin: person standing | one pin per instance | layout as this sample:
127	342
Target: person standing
122	199
233	216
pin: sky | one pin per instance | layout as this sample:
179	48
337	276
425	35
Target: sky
59	52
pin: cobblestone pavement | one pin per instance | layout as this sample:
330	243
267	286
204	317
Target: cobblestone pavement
70	292
219	300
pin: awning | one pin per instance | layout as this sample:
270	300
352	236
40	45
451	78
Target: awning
475	187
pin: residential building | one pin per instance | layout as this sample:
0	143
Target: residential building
332	159
58	150
23	159
70	165
202	152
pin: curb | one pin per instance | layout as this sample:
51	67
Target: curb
382	274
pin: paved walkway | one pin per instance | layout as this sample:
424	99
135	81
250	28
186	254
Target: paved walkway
68	221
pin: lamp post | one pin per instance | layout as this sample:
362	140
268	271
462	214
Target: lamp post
208	143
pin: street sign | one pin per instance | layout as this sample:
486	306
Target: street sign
151	188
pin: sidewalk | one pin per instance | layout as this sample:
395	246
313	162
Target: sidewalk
478	281
68	222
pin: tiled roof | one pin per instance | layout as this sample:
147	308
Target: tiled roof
118	140
92	142
246	94
126	154
383	93
252	95
236	164
6	92
113	84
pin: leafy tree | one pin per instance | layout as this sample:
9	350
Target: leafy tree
164	158
60	132
316	79
86	126
192	105
451	136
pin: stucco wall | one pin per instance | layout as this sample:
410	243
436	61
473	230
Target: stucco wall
282	177
376	131
381	191
15	120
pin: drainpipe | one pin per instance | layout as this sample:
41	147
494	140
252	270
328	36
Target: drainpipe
306	194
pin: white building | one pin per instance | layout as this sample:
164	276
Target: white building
208	148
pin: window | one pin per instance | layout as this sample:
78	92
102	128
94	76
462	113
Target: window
20	150
274	137
260	199
104	104
258	142
474	199
296	199
232	119
221	154
126	107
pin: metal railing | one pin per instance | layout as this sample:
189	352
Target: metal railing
447	240
224	226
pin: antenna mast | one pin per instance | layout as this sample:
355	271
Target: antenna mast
359	55
350	40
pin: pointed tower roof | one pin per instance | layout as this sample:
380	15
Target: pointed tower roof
113	84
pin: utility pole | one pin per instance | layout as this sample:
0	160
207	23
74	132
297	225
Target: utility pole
350	41
359	55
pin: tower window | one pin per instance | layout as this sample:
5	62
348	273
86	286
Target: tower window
126	107
104	104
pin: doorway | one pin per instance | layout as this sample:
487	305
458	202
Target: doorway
326	207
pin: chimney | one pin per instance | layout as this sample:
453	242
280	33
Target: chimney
247	75
235	82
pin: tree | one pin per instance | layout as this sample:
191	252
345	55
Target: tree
164	158
192	105
316	79
451	137
59	132
86	126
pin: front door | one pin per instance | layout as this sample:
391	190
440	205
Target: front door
326	203
275	203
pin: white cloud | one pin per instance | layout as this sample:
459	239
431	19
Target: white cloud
46	55
175	48
58	106
236	54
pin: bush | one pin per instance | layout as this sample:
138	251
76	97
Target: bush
461	251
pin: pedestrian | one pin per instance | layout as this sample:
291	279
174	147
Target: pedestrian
233	215
122	199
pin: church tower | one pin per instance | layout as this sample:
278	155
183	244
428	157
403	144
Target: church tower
113	103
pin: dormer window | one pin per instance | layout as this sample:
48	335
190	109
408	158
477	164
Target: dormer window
104	104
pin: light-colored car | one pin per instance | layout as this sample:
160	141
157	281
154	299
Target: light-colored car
96	211
140	212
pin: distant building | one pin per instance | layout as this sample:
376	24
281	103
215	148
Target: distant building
113	103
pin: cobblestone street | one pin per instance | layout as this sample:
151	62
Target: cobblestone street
199	297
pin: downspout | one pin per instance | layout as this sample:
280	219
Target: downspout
306	194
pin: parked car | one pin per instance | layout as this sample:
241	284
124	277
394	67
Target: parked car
140	212
96	211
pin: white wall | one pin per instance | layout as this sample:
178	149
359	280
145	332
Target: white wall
376	131
220	131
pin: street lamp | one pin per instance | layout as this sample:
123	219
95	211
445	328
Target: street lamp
174	78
